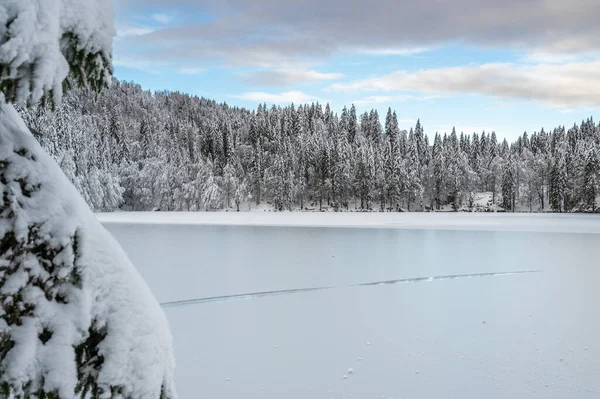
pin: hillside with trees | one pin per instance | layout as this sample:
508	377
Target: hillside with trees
130	149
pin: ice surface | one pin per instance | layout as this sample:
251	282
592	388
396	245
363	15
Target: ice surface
454	319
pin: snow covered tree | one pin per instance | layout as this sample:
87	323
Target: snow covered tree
456	168
508	185
392	159
365	172
558	178
210	187
530	167
77	320
241	194
589	179
230	183
438	170
341	170
352	125
413	187
322	161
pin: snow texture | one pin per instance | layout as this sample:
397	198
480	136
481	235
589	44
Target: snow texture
38	37
86	286
539	327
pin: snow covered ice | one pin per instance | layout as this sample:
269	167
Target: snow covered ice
427	336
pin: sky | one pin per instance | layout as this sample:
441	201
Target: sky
507	66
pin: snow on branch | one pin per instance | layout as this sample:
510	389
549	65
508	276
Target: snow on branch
42	40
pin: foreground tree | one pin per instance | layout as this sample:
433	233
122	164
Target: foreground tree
77	320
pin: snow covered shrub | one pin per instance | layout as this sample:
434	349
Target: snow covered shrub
76	319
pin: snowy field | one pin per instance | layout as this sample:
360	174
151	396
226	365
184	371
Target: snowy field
314	306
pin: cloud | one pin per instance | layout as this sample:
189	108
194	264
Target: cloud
134	63
378	100
543	57
162	18
288	97
566	85
124	30
284	77
191	71
283	33
390	99
394	51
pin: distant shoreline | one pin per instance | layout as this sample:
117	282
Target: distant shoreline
529	222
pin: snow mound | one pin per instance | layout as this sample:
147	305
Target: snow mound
76	316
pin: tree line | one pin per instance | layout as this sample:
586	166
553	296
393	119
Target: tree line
126	148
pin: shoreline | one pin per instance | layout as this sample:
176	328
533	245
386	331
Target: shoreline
521	222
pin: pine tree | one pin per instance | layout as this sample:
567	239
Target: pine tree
365	173
210	187
413	186
241	194
558	179
508	185
230	183
342	173
391	159
321	161
352	125
452	163
70	297
421	147
589	183
438	170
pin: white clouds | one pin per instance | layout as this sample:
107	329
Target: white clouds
124	30
191	71
276	33
391	99
544	57
282	42
162	18
134	63
378	100
286	98
394	51
562	85
284	77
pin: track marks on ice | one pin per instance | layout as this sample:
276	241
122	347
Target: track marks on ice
256	295
448	277
240	297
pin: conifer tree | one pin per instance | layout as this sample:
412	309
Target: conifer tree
77	320
508	185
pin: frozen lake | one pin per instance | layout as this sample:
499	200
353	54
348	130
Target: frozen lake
408	306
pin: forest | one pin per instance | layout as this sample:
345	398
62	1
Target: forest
130	149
